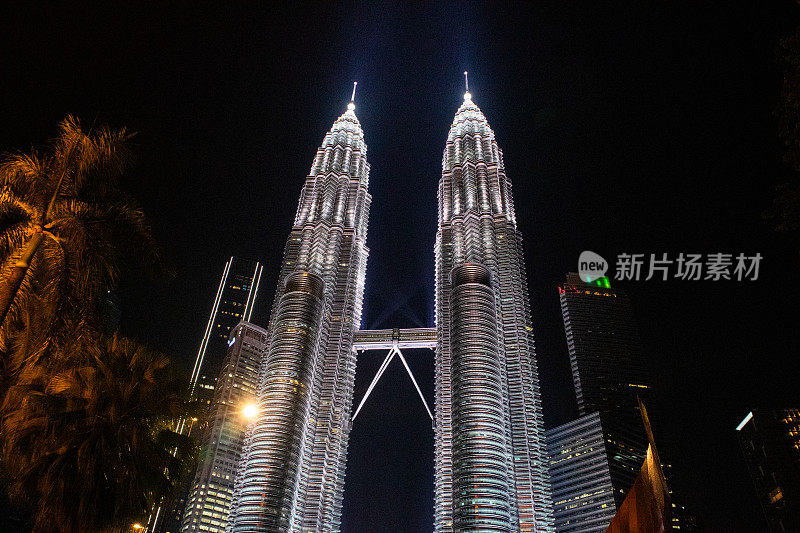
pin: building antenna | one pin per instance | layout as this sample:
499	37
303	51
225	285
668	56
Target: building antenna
466	80
353	97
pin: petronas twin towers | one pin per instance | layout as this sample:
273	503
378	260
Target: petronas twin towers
490	471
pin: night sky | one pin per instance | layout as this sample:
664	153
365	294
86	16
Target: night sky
641	128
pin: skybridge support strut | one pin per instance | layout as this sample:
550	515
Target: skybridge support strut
411	375
394	350
386	361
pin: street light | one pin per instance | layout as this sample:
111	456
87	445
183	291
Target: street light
249	411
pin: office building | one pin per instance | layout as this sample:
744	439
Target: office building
233	406
487	385
292	475
605	352
490	457
233	303
770	442
594	461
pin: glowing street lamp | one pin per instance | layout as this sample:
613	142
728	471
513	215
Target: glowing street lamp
249	411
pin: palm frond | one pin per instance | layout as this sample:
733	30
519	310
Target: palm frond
23	175
95	231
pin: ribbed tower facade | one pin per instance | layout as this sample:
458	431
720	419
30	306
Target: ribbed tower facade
291	476
491	461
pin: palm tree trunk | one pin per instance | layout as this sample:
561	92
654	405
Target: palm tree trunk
8	290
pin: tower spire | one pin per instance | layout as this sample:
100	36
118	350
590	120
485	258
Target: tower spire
467	96
352	105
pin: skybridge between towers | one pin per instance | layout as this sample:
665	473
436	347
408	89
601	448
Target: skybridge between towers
385	339
393	340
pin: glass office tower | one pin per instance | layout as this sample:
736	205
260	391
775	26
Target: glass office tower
233	303
604	348
770	443
594	461
609	372
234	401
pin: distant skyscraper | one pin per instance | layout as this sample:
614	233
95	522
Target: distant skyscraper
234	397
608	372
770	442
604	348
111	313
236	294
491	461
594	461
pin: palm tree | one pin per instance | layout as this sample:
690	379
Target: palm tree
85	420
63	214
65	226
89	444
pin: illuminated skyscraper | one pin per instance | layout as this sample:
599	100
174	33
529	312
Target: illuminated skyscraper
292	471
604	348
594	461
233	303
491	463
770	443
234	403
608	372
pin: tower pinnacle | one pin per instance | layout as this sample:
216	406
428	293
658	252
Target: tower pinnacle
352	105
467	96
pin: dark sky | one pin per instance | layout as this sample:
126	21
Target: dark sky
641	127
